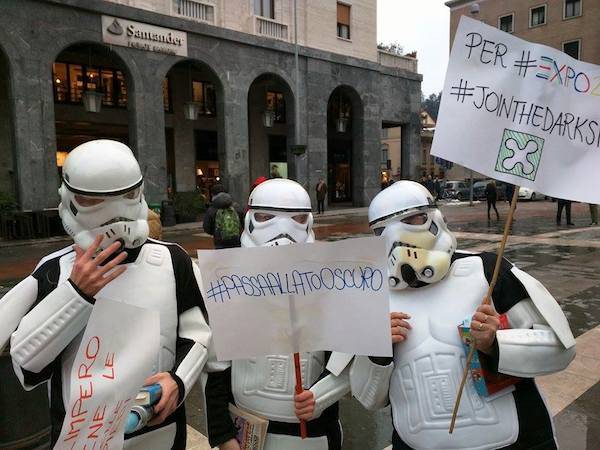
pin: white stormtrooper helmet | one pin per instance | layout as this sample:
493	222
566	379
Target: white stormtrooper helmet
418	242
279	213
102	194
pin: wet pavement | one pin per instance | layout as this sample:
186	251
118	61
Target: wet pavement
565	259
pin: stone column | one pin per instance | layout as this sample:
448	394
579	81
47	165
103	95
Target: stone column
233	156
147	131
369	169
34	134
411	148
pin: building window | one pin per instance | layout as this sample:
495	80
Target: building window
194	10
70	80
537	16
572	48
60	81
166	90
275	102
343	21
506	23
265	8
572	8
203	93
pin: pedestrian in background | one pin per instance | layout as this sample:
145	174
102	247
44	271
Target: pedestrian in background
566	204
223	219
437	188
594	213
321	194
509	191
491	194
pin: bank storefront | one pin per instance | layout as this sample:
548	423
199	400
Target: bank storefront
198	104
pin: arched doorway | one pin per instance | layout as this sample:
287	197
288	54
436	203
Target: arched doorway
194	130
344	133
8	190
270	127
90	84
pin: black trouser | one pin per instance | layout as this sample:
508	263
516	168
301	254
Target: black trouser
320	206
550	444
566	204
491	202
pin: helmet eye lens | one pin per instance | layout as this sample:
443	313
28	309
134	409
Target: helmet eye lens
416	219
262	217
301	218
378	231
132	194
85	201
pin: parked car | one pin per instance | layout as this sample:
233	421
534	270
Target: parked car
479	190
459	190
526	193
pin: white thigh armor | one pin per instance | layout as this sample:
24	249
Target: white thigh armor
428	368
265	385
285	442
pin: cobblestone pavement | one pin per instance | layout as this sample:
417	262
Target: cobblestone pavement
565	259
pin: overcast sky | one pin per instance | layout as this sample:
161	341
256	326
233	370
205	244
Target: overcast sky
421	25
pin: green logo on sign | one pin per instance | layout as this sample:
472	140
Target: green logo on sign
520	154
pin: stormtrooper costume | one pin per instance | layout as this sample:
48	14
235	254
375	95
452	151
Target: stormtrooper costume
102	193
279	213
440	287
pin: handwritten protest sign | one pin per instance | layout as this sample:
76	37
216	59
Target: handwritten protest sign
107	372
520	112
301	297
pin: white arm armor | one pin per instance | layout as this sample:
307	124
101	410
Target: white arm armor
370	382
539	340
329	390
48	328
193	326
14	305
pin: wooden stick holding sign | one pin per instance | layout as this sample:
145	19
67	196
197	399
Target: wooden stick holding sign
297	368
486	301
299	389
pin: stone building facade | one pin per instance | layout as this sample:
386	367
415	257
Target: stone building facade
56	53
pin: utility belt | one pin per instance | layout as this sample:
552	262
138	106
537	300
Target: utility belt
324	425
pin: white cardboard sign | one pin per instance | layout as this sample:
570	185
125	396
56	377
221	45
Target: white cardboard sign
520	112
301	297
116	354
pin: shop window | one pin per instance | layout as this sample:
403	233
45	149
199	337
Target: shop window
75	83
70	80
572	8
343	21
108	87
60	82
265	8
537	16
506	23
204	94
121	89
572	48
276	102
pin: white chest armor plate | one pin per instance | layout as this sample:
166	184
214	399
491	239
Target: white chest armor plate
148	282
428	368
265	385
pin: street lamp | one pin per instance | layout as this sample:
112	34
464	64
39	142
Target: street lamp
92	101
268	118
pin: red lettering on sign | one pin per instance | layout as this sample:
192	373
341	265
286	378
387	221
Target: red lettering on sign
109	364
92	348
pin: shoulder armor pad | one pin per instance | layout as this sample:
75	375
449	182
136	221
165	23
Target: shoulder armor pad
547	306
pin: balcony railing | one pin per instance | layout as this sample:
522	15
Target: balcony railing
401	62
270	28
190	9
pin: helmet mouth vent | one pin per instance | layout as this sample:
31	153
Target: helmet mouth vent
409	275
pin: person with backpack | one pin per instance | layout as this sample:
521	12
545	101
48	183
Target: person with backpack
223	219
